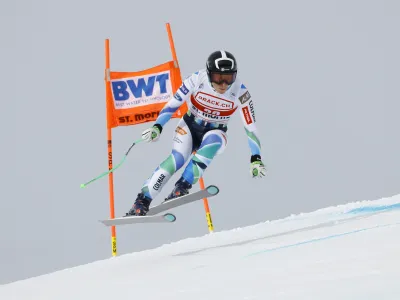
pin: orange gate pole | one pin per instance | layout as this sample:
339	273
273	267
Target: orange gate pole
207	208
110	159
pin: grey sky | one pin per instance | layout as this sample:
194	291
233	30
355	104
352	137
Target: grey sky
323	74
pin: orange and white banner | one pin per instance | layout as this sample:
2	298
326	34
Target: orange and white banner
138	97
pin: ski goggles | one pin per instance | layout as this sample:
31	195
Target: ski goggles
220	78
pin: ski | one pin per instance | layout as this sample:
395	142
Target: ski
166	218
153	217
210	191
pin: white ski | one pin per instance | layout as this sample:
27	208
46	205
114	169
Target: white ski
166	218
153	217
210	191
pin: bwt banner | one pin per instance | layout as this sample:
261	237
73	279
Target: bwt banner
138	97
143	90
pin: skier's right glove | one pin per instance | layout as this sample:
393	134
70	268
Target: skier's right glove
257	168
152	134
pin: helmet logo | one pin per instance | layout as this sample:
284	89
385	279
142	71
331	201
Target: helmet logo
224	58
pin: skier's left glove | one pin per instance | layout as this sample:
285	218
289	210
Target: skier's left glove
257	168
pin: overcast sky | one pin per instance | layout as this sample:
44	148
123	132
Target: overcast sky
324	77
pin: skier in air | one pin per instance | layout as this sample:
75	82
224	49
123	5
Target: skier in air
213	95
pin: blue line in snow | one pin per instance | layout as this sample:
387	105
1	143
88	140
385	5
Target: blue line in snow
320	239
368	209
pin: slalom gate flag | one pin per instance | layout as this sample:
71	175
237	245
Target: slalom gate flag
138	97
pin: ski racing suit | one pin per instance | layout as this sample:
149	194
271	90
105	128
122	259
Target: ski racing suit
202	131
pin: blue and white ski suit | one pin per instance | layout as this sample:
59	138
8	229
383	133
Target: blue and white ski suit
201	133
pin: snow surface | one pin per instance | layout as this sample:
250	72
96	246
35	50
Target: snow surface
345	252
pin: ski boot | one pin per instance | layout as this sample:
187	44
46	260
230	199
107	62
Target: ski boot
181	188
141	206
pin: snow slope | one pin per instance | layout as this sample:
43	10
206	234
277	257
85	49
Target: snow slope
346	252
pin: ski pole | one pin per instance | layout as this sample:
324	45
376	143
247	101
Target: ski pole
113	169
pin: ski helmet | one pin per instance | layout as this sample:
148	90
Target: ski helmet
219	63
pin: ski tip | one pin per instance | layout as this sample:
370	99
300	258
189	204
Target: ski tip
170	217
212	189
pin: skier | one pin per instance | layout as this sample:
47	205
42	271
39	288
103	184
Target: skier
213	94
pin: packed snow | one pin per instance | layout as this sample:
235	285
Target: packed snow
345	252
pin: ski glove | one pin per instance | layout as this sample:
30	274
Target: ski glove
257	168
152	134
